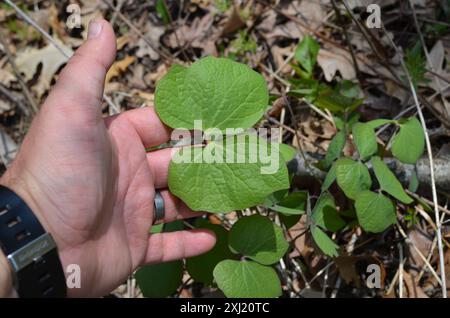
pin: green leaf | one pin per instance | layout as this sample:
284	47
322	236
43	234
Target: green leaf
365	140
162	11
159	280
288	152
258	238
306	54
289	220
293	204
335	102
220	92
413	182
352	177
174	226
416	64
388	182
325	214
247	279
329	178
379	122
375	211
275	197
348	88
408	145
157	228
304	86
224	187
201	267
334	149
322	240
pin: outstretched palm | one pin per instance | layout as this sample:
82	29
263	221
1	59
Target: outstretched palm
90	181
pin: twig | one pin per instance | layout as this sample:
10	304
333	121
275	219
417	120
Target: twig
396	78
400	271
172	25
347	39
442	209
117	9
427	55
431	162
424	259
319	273
64	52
22	83
14	99
139	33
317	110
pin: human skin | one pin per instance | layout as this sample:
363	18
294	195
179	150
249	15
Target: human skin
90	182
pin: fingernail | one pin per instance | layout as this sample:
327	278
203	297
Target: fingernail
94	30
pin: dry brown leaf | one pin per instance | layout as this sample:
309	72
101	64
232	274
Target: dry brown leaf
314	12
199	34
351	268
232	21
122	41
51	59
280	55
336	60
119	67
392	89
153	32
156	76
316	135
147	97
6	77
437	56
422	243
412	289
301	246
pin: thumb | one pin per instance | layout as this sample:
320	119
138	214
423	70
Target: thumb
81	82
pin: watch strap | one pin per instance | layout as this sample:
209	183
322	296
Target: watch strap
30	250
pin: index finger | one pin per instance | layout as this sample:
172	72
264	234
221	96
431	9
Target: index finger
147	124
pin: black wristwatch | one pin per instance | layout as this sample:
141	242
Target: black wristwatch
30	250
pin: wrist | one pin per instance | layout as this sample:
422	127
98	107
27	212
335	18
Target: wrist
36	247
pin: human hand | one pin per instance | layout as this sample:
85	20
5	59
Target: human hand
89	180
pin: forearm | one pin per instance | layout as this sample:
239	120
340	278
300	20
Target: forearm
6	278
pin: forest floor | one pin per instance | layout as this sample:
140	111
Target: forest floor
360	59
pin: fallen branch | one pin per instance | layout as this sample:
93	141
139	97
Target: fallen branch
404	172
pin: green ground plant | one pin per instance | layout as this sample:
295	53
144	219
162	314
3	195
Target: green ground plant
223	94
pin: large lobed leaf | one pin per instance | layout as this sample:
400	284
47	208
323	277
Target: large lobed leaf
409	143
220	92
201	267
325	214
365	140
159	280
225	187
352	177
258	238
247	279
388	182
375	211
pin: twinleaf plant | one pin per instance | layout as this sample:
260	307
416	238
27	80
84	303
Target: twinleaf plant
225	96
230	170
224	173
